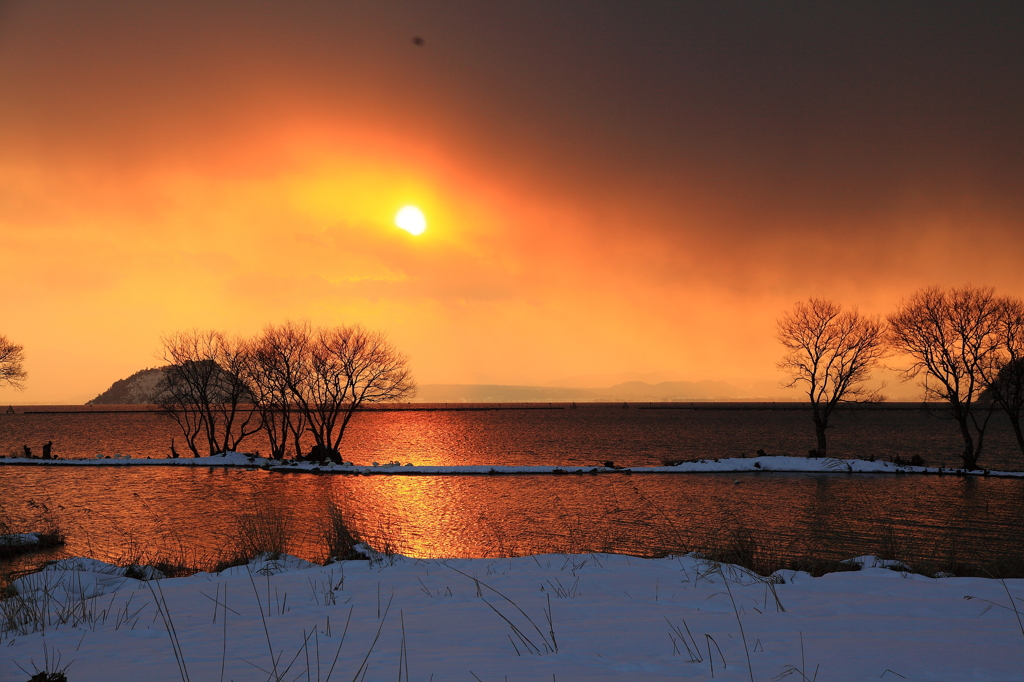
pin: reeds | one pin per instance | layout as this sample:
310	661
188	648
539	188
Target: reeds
336	537
51	670
142	563
655	533
261	533
45	600
46	528
641	527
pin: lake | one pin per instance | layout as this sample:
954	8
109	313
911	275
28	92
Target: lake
112	512
639	435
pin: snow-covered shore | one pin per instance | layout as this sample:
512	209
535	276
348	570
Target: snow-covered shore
723	465
15	543
548	617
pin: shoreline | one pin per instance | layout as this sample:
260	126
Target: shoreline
763	464
459	406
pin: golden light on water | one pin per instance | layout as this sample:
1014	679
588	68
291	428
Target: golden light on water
411	219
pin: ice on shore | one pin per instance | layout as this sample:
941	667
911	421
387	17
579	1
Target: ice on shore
562	617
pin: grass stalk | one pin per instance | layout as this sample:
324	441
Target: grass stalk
342	642
743	635
1013	605
172	633
263	618
363	666
480	583
337	538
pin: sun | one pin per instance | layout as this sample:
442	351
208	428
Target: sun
411	219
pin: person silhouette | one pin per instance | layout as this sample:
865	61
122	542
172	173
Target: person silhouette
28	450
47	447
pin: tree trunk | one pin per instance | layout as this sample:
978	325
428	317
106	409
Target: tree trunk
820	425
969	456
1015	422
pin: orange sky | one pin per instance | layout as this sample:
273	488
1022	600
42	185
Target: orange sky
610	186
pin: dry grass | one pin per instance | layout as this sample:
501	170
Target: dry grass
177	562
336	537
386	541
254	534
763	554
641	528
47	524
261	532
655	533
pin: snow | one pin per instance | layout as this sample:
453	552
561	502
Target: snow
724	465
224	459
19	540
546	617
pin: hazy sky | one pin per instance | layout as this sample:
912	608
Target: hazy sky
610	186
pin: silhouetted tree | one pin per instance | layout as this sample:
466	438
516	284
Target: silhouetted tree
12	373
290	380
831	353
204	392
355	366
951	338
1004	377
273	363
337	371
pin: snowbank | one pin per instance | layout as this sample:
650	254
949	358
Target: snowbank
12	544
548	617
724	465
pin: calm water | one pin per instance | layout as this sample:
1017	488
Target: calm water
636	436
113	512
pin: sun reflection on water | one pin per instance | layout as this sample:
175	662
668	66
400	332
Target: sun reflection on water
110	513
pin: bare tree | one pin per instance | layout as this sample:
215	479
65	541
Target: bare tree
951	338
831	353
1004	375
12	373
290	380
345	368
204	391
374	371
313	380
275	361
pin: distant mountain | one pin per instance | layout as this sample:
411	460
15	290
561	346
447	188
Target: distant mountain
634	391
606	380
143	387
496	393
140	388
671	390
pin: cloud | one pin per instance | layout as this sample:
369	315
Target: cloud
608	189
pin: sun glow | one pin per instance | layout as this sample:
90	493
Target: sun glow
411	219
